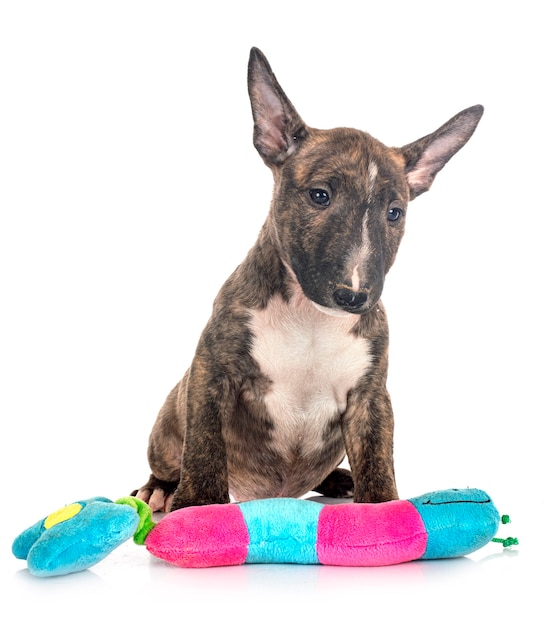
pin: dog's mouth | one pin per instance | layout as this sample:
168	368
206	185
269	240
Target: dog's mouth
344	308
332	312
344	302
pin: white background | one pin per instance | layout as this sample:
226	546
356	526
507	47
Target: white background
129	190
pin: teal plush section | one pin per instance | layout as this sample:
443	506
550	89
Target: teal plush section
458	521
25	540
282	530
79	542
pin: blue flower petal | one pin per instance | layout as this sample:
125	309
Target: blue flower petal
82	541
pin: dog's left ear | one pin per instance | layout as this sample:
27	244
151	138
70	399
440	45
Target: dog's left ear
278	127
425	158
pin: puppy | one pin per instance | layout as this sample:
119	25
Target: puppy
289	375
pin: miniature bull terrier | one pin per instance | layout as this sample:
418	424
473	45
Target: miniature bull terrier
289	376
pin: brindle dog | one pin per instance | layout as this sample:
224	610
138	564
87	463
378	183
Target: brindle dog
290	372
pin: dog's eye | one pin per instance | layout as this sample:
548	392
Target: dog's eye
320	197
394	214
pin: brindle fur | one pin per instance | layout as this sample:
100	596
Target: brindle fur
215	434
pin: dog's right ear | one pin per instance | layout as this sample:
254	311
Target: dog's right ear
278	129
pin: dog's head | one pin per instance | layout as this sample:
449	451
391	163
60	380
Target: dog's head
340	196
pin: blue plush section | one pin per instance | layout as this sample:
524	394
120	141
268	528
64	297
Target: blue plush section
282	530
25	540
79	542
458	521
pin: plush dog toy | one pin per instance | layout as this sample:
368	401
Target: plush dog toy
440	524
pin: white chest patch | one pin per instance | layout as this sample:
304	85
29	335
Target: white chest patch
313	360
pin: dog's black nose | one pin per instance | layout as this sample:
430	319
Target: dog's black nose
349	299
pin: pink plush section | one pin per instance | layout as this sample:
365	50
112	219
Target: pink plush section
201	536
370	534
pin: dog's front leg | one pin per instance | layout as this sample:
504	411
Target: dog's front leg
204	476
367	428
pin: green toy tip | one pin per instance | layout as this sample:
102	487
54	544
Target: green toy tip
510	541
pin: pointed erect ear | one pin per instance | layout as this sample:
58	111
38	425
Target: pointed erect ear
278	127
425	158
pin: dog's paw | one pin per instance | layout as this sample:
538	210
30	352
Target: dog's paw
338	484
157	499
157	494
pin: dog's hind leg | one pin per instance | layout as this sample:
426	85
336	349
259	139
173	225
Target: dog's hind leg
338	484
164	453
